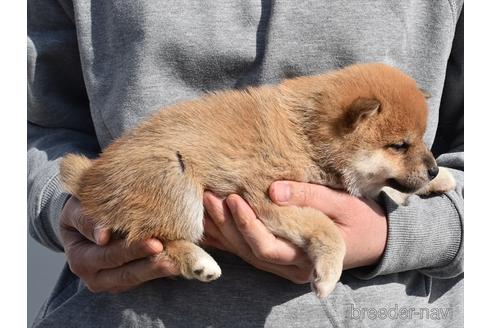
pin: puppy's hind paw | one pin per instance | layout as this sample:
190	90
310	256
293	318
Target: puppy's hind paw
323	288
325	277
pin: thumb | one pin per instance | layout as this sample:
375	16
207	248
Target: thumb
293	193
72	218
304	195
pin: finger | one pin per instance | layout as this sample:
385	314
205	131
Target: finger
102	236
133	274
262	242
211	229
215	208
229	235
72	218
220	216
118	253
306	194
212	235
212	242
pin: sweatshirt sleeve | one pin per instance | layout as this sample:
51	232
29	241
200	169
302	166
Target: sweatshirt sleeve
58	114
427	234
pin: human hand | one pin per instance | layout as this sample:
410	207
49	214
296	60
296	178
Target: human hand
107	265
362	222
231	225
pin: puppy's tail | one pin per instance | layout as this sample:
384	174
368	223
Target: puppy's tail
72	168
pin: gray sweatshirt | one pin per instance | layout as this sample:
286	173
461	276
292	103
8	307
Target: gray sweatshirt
96	68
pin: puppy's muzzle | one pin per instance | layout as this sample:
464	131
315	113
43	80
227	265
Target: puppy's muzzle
431	165
401	187
432	172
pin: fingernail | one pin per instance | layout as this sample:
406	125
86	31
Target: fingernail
155	246
98	236
231	204
282	192
241	221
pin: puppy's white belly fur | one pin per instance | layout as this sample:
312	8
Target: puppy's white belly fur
196	220
193	220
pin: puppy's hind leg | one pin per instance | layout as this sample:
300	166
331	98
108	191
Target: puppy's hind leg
184	212
177	211
317	235
192	261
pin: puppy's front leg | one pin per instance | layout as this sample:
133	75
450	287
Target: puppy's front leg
313	231
192	261
444	181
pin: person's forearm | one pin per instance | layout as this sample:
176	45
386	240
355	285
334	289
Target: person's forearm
58	114
45	195
425	235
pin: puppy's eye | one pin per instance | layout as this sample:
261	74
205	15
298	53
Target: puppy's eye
399	146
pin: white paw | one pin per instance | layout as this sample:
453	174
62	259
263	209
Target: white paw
323	288
325	277
205	268
440	184
444	181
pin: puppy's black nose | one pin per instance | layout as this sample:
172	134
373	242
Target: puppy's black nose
432	172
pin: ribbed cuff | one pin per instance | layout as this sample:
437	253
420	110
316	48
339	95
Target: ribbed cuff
425	234
52	200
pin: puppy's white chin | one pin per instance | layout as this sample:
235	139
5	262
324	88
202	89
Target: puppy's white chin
368	191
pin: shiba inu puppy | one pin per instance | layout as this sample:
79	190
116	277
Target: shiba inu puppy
358	129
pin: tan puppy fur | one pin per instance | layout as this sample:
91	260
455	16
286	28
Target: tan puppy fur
358	129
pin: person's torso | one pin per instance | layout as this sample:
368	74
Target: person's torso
140	56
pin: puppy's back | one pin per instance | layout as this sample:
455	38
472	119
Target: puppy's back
150	181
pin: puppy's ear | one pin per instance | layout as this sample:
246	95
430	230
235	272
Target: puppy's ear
358	111
426	94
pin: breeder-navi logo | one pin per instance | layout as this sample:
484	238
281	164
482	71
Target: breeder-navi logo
398	313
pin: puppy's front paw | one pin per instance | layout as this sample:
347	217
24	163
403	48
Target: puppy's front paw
440	184
325	277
